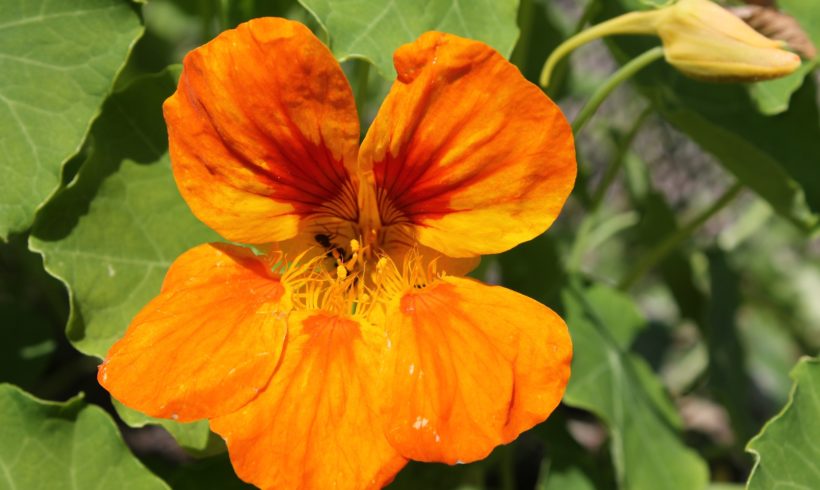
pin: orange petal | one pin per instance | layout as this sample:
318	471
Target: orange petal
466	149
315	425
261	129
470	367
207	344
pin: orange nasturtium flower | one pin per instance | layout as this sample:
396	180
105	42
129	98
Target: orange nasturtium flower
334	371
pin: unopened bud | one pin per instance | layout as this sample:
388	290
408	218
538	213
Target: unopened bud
700	38
706	41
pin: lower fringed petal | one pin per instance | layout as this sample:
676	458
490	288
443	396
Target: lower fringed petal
316	424
208	343
470	367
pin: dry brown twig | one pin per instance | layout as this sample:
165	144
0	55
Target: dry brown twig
778	25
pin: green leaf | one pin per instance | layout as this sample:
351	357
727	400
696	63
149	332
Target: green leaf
621	389
373	29
787	452
58	61
772	97
45	445
195	437
111	235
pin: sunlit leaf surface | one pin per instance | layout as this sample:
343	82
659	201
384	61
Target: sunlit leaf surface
788	455
46	445
373	29
111	235
58	61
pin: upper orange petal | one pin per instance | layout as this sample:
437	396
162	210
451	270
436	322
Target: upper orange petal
470	367
316	425
207	344
262	130
467	150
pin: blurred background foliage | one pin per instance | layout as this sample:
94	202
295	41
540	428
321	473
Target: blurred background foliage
687	317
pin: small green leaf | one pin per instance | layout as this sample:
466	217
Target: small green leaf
111	235
196	437
373	29
45	445
787	452
58	61
772	96
621	389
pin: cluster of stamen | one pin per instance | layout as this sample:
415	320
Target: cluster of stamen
355	285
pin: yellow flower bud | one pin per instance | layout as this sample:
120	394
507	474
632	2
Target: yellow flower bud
700	38
706	41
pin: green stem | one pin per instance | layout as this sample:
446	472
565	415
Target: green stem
624	73
612	170
660	251
631	23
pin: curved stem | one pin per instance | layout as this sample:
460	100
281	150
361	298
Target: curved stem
631	23
624	73
581	242
660	251
617	162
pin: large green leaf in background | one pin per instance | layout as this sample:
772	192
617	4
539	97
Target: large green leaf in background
111	235
47	445
787	449
774	156
621	389
373	29
58	61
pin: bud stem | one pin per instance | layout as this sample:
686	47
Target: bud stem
624	73
631	23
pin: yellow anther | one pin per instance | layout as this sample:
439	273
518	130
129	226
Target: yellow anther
354	245
350	264
341	272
